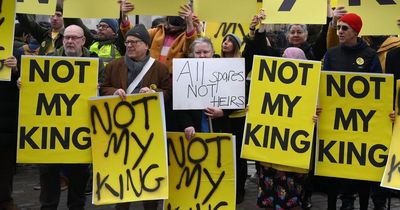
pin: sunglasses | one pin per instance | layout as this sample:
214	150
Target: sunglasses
342	27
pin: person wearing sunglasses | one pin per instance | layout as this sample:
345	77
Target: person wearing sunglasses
352	55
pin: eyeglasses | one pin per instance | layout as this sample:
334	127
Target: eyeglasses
132	42
73	38
102	26
342	27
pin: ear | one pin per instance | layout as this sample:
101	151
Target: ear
84	40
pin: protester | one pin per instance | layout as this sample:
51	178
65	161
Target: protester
210	119
49	39
169	40
104	43
137	72
352	55
77	174
382	44
281	187
8	134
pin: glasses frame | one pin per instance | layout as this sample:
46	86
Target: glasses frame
342	27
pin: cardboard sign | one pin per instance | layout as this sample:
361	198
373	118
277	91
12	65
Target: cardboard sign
235	11
208	82
129	148
7	17
354	130
283	99
295	12
91	9
201	171
391	176
53	115
157	7
374	13
39	7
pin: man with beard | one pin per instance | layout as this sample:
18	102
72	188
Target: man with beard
168	40
105	42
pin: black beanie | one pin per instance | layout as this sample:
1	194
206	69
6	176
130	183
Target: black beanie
140	32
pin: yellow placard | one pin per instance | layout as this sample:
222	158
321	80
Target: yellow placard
129	148
334	3
354	129
201	171
295	12
234	11
54	126
91	9
157	7
40	7
279	125
217	31
373	13
391	175
7	17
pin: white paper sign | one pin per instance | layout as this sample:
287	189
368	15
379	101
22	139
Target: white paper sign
208	82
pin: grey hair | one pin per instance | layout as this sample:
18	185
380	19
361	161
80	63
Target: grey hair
197	41
302	26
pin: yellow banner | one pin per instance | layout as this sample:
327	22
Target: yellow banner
157	7
234	11
391	175
295	12
40	7
201	171
129	149
91	9
7	17
373	13
54	126
283	99
354	129
217	31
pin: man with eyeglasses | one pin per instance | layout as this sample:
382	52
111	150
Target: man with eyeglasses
77	174
137	72
169	40
352	55
49	40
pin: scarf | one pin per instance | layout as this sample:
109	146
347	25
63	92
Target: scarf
134	68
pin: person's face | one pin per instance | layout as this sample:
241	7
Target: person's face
347	36
73	41
297	35
136	48
57	21
104	31
227	46
203	50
